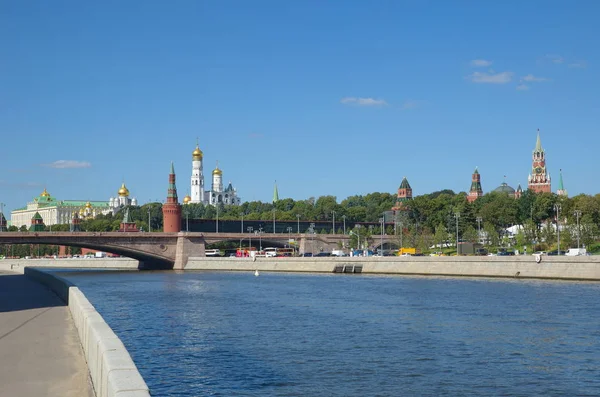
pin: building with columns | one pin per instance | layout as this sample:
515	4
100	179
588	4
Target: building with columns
539	179
217	194
57	212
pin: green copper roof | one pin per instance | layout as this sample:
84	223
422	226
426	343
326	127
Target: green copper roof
476	187
37	216
405	184
275	193
560	181
476	171
172	193
538	143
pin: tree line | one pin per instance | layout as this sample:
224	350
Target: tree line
426	220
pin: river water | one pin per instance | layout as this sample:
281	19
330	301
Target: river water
278	334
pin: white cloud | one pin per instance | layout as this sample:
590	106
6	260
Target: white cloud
578	65
480	63
350	100
491	77
522	87
533	78
555	58
412	104
69	164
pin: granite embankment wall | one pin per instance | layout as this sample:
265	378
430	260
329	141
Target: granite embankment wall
112	370
18	265
525	266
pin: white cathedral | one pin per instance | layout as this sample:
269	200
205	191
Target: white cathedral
216	194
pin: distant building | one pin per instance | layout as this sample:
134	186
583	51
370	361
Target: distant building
509	190
404	195
561	191
55	212
216	194
475	192
539	179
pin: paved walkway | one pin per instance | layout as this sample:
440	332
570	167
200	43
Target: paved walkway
40	352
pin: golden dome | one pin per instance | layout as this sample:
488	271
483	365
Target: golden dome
123	191
197	154
88	205
187	199
45	193
81	211
217	171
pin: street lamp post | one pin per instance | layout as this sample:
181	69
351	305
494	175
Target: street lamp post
289	230
457	216
274	220
333	223
382	220
242	223
344	218
149	227
217	224
401	234
260	238
312	232
187	220
250	228
578	214
557	209
298	217
478	219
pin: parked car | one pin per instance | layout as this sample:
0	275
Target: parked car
307	254
481	252
556	252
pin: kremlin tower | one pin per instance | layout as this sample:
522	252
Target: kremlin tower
475	192
539	179
404	195
172	209
561	191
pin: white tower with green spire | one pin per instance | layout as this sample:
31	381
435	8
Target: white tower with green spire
561	191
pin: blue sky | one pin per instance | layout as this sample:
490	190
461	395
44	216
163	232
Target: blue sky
327	98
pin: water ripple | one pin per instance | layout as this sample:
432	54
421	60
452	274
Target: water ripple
233	334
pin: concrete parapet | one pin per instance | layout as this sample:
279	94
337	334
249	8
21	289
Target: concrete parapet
112	370
93	263
524	266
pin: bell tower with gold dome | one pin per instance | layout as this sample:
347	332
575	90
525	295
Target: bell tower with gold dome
197	188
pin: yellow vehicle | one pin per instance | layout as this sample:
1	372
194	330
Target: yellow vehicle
405	251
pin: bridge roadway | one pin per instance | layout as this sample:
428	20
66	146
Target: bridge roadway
172	250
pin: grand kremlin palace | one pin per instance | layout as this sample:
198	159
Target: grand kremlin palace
56	212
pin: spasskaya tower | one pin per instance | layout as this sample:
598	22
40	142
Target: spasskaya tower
539	179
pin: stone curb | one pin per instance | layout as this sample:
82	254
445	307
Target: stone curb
111	368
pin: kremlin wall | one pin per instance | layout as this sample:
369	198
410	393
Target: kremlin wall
46	210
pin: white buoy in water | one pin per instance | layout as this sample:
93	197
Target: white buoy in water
256	272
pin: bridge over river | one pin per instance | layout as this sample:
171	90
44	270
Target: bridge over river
172	250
